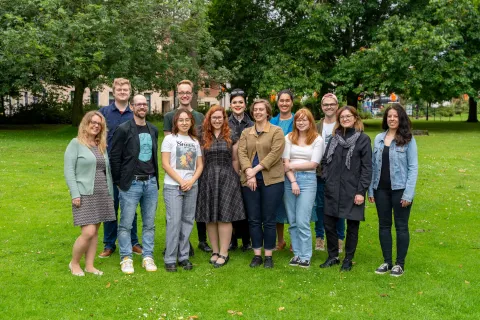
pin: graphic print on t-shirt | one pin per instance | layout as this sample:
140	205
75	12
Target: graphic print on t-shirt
186	156
145	153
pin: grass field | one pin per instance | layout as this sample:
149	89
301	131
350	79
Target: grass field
441	281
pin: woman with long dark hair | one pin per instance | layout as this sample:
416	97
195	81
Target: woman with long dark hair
183	165
219	200
395	170
347	171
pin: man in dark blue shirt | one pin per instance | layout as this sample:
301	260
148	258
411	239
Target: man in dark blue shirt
115	114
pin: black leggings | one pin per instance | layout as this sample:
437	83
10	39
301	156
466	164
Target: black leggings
351	239
387	200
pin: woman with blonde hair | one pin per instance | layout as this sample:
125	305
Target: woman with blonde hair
219	200
87	173
303	152
347	171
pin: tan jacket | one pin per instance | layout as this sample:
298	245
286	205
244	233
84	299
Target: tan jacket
269	146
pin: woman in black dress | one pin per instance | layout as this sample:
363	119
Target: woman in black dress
347	171
219	200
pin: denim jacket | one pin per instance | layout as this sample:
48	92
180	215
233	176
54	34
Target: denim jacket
403	166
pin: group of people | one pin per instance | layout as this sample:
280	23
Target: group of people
243	176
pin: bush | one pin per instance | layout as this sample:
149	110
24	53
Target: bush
155	117
365	114
41	112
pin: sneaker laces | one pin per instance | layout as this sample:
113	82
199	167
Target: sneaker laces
383	266
126	261
397	269
148	262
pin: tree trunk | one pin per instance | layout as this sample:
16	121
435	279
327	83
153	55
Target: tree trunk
352	99
472	110
77	107
426	115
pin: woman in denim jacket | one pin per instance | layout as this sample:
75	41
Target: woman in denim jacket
395	170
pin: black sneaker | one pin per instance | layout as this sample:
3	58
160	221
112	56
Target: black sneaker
256	261
186	264
294	261
346	265
268	263
397	271
384	268
246	247
233	246
204	246
330	262
304	264
171	267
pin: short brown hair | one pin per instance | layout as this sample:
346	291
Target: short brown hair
121	82
267	106
190	83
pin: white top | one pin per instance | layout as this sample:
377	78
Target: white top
327	131
183	156
298	154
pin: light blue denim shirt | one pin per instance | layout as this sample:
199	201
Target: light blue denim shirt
403	166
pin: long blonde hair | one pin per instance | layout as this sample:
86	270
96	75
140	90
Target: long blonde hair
100	138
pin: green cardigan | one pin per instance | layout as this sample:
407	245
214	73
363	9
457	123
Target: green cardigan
79	169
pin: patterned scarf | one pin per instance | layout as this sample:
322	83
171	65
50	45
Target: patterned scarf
337	139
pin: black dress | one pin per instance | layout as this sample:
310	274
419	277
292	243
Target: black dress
219	197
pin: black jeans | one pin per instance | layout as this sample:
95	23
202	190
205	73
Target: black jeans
332	237
241	232
261	206
387	200
202	231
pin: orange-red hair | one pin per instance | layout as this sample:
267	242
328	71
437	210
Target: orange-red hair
312	133
208	128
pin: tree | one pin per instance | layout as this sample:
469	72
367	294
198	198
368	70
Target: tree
86	43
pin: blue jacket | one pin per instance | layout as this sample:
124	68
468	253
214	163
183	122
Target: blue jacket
403	166
276	120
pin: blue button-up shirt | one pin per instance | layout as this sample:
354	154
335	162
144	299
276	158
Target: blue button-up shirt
114	118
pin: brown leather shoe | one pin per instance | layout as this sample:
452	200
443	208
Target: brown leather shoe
137	249
107	252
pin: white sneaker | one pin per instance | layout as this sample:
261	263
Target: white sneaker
127	265
149	264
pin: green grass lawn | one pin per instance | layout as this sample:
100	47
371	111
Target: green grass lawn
441	281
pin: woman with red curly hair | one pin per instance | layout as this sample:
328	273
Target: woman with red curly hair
219	200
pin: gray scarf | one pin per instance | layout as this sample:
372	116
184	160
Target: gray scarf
337	139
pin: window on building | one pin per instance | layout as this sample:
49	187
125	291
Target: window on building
94	97
207	104
111	98
206	84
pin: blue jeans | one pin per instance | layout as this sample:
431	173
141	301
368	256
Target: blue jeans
110	227
261	206
180	207
145	193
299	210
319	226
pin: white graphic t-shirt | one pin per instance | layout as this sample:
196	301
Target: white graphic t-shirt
327	132
183	156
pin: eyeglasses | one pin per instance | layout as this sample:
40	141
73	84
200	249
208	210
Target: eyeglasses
329	105
187	120
95	123
217	118
141	104
346	117
301	120
184	93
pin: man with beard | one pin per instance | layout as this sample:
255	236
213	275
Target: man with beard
134	163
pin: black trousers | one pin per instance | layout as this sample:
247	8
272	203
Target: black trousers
332	236
387	200
202	231
241	231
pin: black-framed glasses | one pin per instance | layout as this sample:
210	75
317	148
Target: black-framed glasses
329	105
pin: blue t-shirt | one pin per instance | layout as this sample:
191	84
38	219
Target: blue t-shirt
286	125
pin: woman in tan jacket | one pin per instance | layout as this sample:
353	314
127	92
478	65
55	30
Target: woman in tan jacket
260	154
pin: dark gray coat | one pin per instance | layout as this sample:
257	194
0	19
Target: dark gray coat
342	184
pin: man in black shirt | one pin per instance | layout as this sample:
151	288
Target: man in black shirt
134	163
